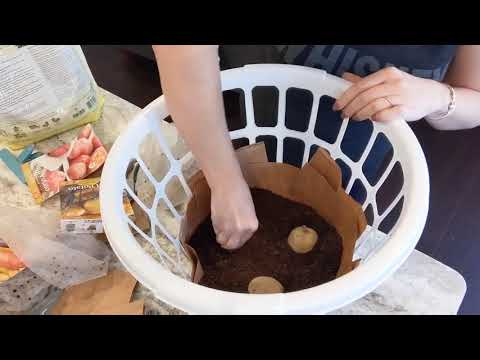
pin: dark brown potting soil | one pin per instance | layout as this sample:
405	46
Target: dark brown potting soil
267	253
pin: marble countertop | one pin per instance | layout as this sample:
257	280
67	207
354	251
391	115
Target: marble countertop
421	286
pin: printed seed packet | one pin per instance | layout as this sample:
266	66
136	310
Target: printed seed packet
80	206
69	162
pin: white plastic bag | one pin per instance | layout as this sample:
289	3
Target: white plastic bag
44	90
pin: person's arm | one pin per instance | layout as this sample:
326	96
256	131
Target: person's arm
464	76
391	94
190	77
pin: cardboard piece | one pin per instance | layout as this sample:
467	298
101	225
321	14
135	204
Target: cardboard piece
133	308
110	294
317	184
141	218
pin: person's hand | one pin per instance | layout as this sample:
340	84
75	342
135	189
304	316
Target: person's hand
391	94
233	214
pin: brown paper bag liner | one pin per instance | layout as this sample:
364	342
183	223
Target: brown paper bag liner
317	184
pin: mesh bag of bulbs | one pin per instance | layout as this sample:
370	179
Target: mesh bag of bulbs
308	227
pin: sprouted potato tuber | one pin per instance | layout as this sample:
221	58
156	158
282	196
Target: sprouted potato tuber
265	285
302	239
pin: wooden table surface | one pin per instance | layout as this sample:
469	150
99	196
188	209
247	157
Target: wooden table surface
450	235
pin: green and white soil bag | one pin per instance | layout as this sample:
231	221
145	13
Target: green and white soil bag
44	90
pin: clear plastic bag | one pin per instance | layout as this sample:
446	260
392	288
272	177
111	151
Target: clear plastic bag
22	292
61	260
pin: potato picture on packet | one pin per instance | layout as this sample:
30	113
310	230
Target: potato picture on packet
92	206
68	162
85	154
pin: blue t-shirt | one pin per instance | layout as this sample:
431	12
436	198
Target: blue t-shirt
426	61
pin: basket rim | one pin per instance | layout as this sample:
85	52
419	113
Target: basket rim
194	298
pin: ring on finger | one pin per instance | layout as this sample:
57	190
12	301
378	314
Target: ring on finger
388	101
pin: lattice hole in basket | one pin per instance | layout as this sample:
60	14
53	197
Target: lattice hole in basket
176	260
240	142
265	105
153	157
346	172
132	168
140	184
391	219
378	159
313	150
140	218
369	214
166	219
179	149
176	194
390	188
174	141
234	102
271	146
143	239
293	150
157	247
358	192
298	109
189	167
356	137
328	121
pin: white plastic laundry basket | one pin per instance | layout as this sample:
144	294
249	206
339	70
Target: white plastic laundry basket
378	261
